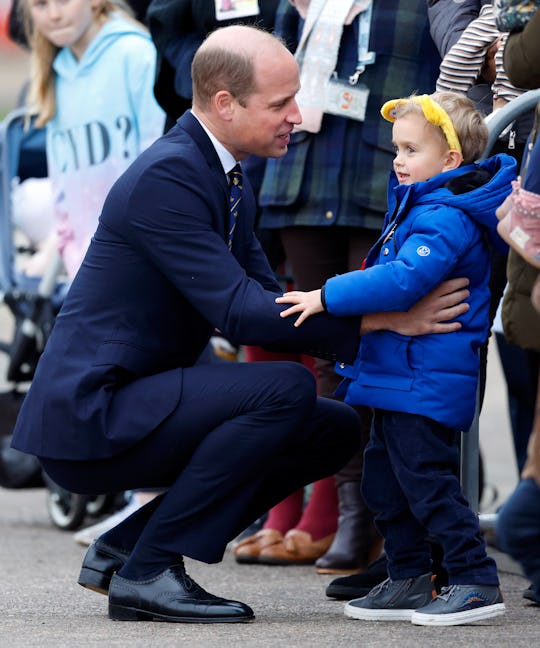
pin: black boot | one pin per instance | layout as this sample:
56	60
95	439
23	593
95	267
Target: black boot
357	542
358	585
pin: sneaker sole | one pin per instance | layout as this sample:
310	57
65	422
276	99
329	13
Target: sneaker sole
370	614
458	618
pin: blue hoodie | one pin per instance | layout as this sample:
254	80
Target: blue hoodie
106	114
434	230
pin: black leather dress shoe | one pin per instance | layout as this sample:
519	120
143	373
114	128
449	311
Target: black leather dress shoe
171	596
99	565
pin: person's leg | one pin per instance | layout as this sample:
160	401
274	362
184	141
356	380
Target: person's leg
406	546
425	457
357	542
520	368
264	436
410	582
286	514
314	255
518	530
281	517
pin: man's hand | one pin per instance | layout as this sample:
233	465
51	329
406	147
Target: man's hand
305	303
429	315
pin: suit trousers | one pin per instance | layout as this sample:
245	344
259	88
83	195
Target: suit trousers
243	437
411	482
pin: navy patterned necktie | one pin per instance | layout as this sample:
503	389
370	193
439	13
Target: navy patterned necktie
235	196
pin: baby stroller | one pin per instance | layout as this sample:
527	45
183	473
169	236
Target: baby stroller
32	303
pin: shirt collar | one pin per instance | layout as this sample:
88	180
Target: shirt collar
227	160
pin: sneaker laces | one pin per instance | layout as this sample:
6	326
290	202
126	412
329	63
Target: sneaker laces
446	592
380	587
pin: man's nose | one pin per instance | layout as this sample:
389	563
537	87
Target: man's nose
294	116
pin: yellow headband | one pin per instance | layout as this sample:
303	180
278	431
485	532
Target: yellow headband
433	112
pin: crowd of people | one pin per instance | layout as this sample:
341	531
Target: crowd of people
214	141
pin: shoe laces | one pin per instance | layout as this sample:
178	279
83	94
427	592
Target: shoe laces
446	592
189	584
380	587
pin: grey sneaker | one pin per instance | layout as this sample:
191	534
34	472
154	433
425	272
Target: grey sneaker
393	600
458	604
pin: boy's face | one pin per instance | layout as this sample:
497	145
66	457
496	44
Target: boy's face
421	150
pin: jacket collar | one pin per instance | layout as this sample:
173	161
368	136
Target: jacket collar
191	125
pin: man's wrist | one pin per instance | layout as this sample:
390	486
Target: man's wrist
373	322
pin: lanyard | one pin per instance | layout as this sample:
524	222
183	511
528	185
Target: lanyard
365	57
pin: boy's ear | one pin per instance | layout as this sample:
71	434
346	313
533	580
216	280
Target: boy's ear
453	160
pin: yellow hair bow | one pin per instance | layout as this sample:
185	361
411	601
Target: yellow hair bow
433	112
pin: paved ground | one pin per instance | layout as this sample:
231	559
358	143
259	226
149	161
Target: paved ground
41	604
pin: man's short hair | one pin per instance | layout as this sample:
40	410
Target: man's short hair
215	68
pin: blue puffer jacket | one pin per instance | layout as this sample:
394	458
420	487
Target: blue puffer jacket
434	230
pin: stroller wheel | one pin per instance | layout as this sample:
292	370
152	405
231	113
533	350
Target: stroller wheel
66	510
98	505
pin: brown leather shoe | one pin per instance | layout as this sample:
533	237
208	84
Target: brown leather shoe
248	549
296	548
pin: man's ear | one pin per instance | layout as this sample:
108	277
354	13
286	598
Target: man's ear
453	160
224	104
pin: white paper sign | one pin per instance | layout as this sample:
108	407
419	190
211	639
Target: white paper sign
227	9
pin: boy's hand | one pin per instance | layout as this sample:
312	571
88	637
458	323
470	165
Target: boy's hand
305	303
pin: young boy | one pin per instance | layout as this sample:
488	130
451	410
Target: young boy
423	389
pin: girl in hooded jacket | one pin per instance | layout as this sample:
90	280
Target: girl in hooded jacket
91	86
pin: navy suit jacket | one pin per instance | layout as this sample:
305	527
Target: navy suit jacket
157	279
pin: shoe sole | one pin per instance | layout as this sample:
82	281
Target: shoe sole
337	572
459	618
94	580
370	614
121	613
347	595
246	560
263	560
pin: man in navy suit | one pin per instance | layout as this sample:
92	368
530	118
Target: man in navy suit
118	401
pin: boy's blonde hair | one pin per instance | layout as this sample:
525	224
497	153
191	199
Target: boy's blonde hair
467	121
41	92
